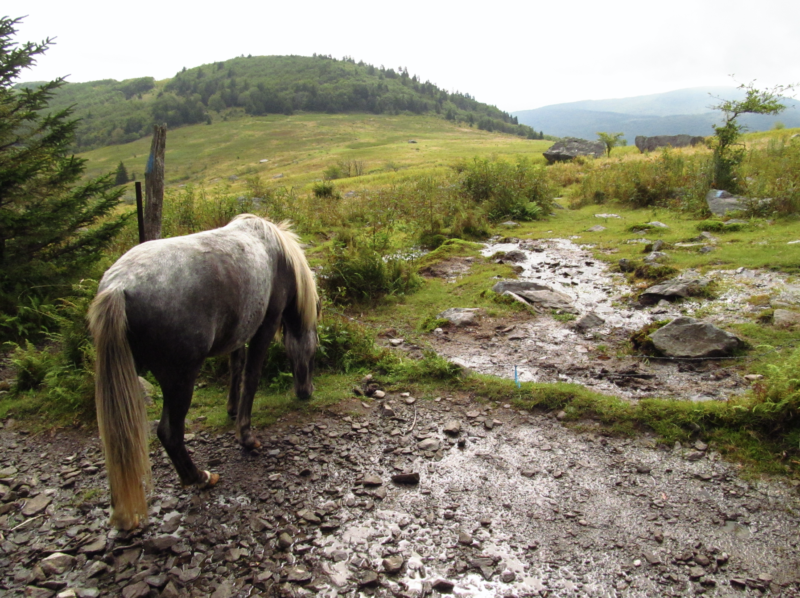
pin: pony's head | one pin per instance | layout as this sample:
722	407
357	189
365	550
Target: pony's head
300	347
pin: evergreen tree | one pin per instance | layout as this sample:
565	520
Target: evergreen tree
52	225
121	177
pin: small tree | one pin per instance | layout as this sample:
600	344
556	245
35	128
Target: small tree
53	226
611	140
121	176
728	153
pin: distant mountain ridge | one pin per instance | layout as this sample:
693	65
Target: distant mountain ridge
672	113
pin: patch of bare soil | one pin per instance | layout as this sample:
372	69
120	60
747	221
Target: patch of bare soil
542	348
491	502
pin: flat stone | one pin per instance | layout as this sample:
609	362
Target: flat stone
460	316
309	516
452	427
137	590
160	543
518	286
371	480
597	228
57	563
36	505
677	288
298	575
97	545
370	579
429	444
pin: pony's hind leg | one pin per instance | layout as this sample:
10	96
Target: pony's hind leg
177	398
235	390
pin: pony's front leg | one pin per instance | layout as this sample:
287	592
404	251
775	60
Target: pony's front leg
256	352
235	390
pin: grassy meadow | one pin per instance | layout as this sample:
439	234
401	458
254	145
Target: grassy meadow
302	146
416	204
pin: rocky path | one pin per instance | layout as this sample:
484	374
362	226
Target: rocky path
593	350
402	497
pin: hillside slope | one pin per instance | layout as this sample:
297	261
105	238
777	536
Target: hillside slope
113	112
681	111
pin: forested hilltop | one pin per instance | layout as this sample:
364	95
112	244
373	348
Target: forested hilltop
114	112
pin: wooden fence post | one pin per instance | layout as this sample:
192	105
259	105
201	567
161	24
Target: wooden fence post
154	184
140	212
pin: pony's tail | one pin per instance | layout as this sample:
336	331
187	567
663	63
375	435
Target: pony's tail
121	414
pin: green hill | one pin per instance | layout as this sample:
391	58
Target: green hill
113	112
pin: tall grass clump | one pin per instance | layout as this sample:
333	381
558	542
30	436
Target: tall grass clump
521	191
773	174
360	274
674	179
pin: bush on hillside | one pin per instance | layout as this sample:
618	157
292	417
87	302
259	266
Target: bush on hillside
520	191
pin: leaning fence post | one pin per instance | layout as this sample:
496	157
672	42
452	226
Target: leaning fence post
154	184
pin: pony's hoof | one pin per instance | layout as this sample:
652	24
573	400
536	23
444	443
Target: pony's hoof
211	479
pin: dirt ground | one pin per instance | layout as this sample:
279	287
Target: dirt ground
489	501
506	504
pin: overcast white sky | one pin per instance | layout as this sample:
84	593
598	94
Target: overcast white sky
515	55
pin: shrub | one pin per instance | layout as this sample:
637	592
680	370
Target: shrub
324	189
362	275
521	191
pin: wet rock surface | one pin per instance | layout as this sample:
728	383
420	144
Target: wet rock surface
525	508
593	349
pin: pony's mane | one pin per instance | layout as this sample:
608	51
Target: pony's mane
307	298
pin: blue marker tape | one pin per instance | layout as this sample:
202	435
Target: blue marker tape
150	162
516	377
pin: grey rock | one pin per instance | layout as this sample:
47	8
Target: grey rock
518	286
285	541
170	591
369	579
57	563
509	223
96	568
443	585
371	480
393	564
298	575
508	576
626	265
784	318
36	505
673	289
464	538
649	144
429	444
688	337
460	316
172	521
406	478
657	224
656	256
722	202
452	427
514	256
36	592
571	147
597	228
160	543
224	590
137	590
589	321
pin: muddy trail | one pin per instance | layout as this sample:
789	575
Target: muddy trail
401	497
595	352
406	497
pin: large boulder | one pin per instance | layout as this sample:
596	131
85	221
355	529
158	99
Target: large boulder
688	337
677	288
569	148
720	202
516	286
649	144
